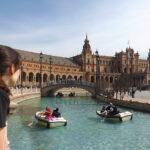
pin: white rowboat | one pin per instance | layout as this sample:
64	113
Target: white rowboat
53	122
124	116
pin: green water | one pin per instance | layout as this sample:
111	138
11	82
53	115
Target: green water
84	131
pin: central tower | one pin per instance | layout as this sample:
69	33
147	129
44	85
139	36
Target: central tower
87	59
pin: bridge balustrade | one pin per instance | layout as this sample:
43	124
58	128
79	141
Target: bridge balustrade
70	82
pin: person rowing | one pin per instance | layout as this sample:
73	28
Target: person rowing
56	113
110	109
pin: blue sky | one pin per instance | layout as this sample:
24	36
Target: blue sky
58	27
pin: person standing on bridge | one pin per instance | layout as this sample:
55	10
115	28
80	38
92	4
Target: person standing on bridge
9	74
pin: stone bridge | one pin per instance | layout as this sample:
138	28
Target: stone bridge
51	88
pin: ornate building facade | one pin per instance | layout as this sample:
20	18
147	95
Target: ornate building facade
81	67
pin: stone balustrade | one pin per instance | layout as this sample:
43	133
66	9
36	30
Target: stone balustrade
17	92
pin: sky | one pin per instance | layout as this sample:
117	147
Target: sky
59	27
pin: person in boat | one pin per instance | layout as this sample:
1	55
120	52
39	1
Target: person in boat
56	113
104	111
48	113
110	109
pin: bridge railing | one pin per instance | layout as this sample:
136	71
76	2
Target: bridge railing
70	82
23	91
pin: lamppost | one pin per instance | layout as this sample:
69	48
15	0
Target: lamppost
97	85
41	57
131	75
50	63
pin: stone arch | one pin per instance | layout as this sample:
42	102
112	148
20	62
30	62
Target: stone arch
80	78
31	77
44	77
111	79
38	77
125	70
106	79
102	77
75	77
49	91
63	77
57	77
69	77
24	75
52	77
92	78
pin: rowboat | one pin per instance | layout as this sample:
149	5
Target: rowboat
123	116
51	122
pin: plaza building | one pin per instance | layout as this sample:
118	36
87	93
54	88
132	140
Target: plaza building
81	67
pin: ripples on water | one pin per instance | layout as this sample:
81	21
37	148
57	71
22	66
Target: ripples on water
85	130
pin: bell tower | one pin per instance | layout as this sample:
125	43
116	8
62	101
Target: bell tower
86	47
87	58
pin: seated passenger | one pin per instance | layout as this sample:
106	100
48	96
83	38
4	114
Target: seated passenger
115	110
110	109
56	113
103	109
48	113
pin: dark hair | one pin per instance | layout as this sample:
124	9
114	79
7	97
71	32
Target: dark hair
8	57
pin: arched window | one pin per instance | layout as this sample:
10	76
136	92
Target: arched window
125	70
75	77
38	77
64	77
52	78
92	78
45	78
57	77
69	77
111	79
24	76
80	78
106	79
31	77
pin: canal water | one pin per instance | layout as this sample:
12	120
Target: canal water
84	131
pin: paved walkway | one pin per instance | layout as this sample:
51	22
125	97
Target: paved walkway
141	97
135	103
141	100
